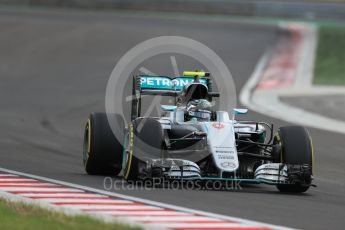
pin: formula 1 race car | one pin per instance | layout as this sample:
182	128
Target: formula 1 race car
192	141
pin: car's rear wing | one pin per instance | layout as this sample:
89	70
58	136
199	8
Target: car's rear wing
165	86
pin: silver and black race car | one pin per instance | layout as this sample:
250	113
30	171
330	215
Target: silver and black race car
191	141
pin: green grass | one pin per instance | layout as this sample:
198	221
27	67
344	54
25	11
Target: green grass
19	216
330	56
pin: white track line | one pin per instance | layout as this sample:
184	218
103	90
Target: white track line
175	218
17	180
61	194
139	207
114	207
12	189
205	225
81	200
26	184
141	213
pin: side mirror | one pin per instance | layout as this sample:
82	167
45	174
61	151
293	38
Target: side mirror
237	111
169	107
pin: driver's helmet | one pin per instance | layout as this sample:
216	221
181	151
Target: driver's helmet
199	110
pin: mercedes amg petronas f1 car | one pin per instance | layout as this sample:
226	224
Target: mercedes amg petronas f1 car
192	141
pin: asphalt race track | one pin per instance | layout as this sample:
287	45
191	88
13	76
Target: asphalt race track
54	67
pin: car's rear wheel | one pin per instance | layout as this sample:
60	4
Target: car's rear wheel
296	148
102	152
145	137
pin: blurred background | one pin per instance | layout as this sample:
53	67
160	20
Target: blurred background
56	57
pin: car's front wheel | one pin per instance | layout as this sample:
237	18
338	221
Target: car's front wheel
102	152
144	141
296	148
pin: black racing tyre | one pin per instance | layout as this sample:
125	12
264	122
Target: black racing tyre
295	148
102	152
145	136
